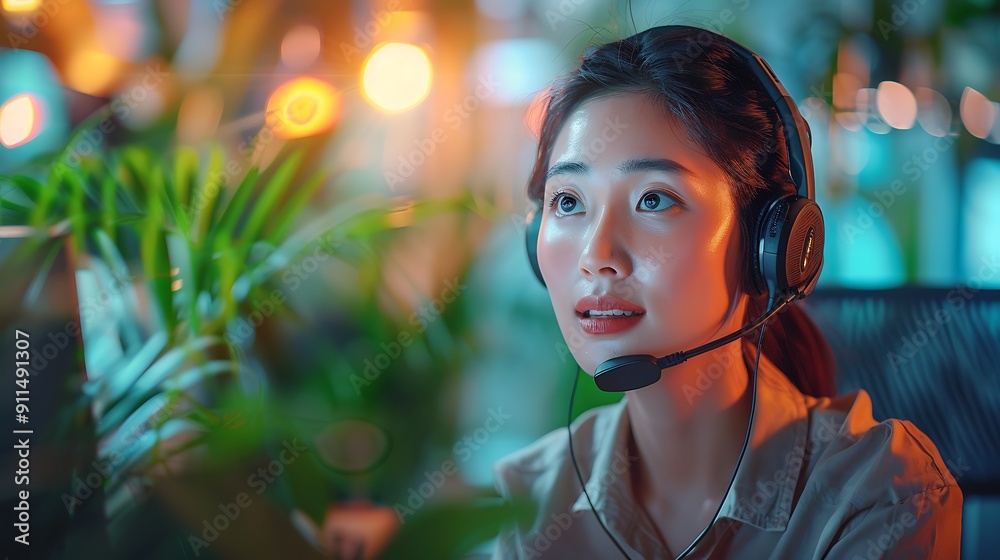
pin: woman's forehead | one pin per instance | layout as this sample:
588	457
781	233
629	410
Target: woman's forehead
626	133
613	129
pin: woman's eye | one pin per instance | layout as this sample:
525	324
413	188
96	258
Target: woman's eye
566	203
655	201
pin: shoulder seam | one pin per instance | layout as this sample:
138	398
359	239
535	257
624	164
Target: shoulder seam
930	456
910	497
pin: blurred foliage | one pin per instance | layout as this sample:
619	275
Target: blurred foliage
184	380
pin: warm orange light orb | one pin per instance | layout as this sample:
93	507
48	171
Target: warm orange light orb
20	120
397	76
91	71
21	5
978	113
897	104
303	107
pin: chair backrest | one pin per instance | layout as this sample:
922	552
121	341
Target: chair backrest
928	355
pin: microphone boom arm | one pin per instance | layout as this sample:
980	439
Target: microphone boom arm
681	357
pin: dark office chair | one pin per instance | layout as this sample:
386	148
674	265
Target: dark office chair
931	356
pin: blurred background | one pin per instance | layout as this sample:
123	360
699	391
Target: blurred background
288	235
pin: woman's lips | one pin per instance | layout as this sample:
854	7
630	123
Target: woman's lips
608	324
606	314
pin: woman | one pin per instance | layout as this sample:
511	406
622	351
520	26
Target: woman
655	159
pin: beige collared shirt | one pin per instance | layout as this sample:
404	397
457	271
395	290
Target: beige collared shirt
821	479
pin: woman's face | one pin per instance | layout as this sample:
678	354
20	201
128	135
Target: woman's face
644	220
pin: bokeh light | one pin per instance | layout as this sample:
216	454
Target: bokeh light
21	5
300	47
534	115
397	76
303	107
845	89
199	114
91	71
20	120
896	104
934	111
977	113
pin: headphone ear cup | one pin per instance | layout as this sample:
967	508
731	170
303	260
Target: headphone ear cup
804	246
790	250
534	223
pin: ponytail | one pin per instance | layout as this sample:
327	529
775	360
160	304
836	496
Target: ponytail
797	347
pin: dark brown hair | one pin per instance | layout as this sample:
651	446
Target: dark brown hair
700	80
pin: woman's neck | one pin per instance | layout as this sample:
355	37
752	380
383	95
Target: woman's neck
689	427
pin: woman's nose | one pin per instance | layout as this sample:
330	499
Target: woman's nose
603	253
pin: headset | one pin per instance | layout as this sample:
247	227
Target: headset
786	264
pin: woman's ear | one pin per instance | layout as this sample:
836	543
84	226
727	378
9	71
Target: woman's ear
755	285
737	264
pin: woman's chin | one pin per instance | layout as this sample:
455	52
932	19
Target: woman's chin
590	366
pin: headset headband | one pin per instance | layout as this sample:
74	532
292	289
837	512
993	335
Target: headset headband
798	136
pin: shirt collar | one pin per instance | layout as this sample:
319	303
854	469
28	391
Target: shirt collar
765	484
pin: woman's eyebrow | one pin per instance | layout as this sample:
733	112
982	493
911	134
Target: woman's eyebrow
650	164
625	167
567	167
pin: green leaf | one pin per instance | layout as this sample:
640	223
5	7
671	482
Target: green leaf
206	201
40	216
292	210
143	450
17	208
234	209
109	210
265	206
154	410
185	175
30	187
133	385
78	217
156	259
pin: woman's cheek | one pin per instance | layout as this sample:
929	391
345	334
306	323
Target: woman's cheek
557	256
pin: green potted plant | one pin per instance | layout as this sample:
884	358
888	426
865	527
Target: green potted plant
177	389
